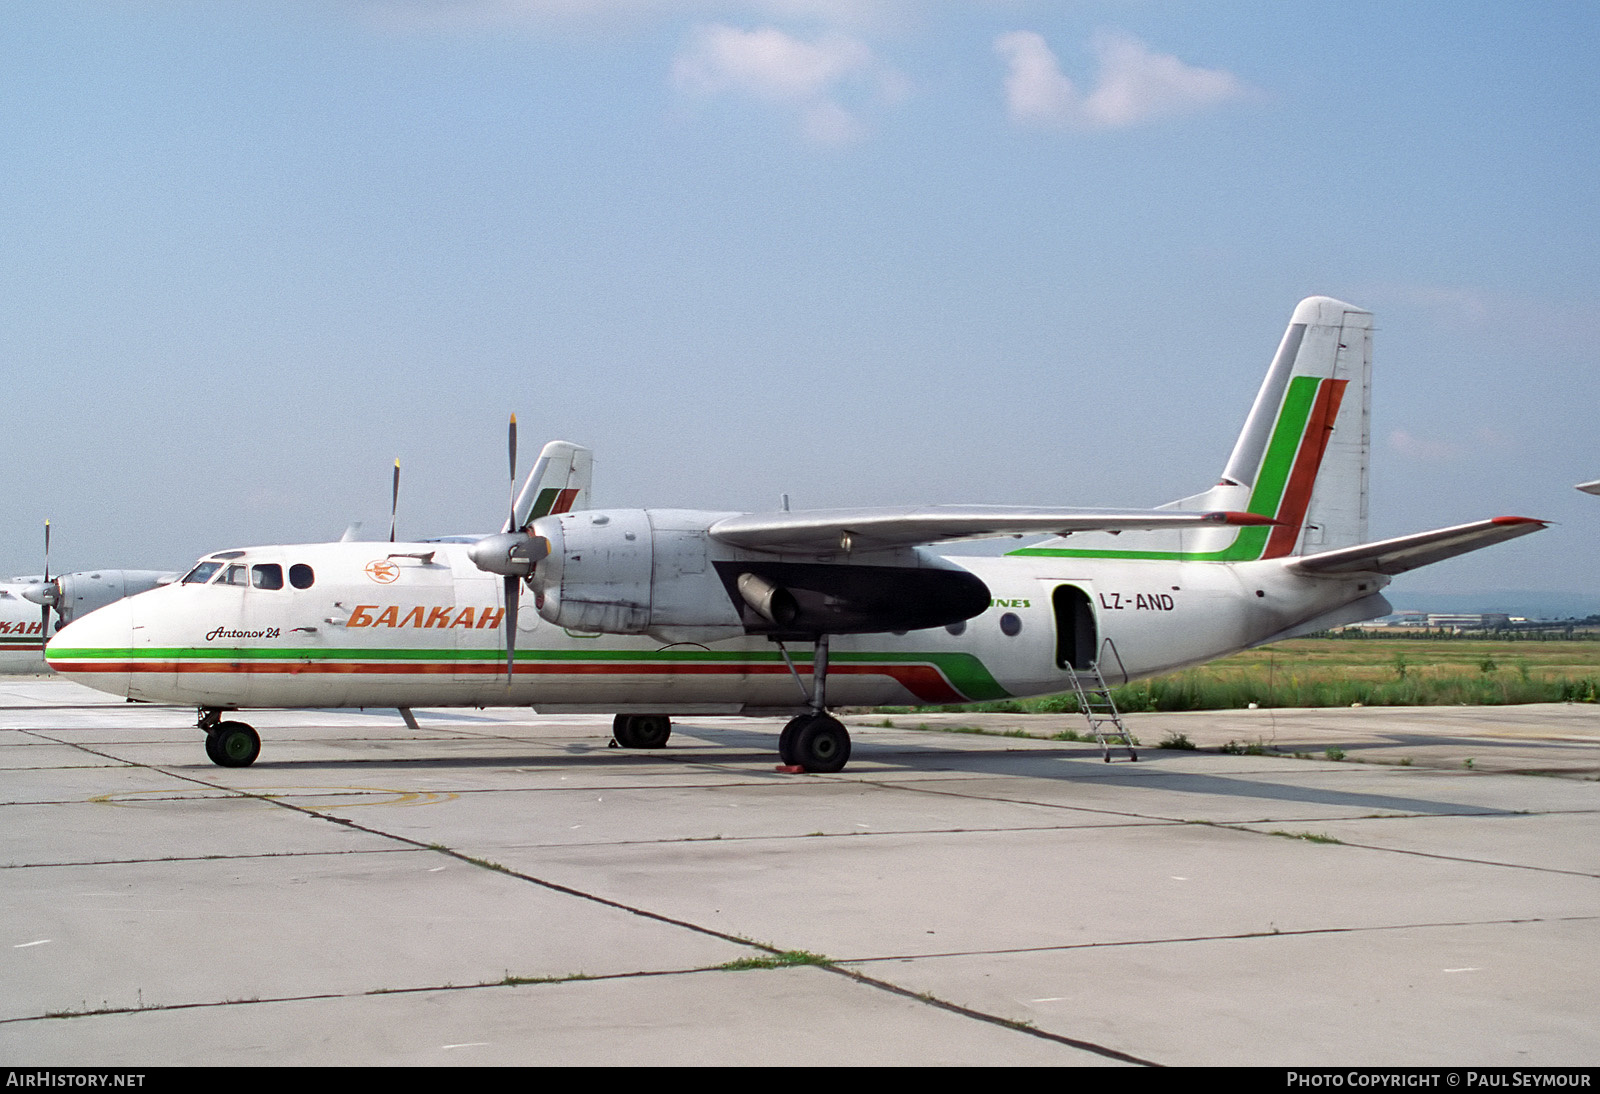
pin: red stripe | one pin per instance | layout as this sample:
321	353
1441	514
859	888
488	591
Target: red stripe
564	501
926	682
1307	462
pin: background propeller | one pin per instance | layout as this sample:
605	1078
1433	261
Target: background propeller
513	582
47	593
394	500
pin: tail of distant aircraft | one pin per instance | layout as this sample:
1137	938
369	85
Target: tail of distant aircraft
1301	459
558	483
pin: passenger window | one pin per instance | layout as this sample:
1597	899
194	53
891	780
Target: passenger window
202	573
267	576
300	576
234	575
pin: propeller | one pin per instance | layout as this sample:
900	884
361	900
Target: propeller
513	553
47	593
513	582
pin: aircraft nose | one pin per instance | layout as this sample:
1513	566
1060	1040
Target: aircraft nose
96	650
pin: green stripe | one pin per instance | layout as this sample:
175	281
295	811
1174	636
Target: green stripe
547	498
967	673
1265	499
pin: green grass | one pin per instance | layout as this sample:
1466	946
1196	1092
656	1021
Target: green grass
784	960
1309	837
1331	672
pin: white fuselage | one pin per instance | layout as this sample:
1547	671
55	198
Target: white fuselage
379	627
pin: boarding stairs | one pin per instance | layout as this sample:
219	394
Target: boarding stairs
1099	709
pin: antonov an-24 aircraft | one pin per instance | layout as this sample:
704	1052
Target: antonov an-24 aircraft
650	613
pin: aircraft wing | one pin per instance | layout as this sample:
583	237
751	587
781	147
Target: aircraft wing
823	530
1396	556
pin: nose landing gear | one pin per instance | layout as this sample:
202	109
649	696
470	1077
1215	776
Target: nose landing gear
229	744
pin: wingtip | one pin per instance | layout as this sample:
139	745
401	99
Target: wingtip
1247	520
1521	520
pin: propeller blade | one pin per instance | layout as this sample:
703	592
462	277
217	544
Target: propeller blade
513	594
394	502
511	447
44	609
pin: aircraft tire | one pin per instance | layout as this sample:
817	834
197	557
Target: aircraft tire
651	730
622	731
822	745
233	744
641	730
786	739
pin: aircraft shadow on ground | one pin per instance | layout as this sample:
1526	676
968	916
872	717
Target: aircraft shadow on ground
732	749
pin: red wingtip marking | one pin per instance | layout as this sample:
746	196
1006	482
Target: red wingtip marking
1238	518
1518	520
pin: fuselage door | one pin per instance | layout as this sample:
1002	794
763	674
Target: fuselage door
1077	637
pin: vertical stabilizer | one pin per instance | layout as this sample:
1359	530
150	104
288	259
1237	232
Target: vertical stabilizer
1301	458
1304	450
558	483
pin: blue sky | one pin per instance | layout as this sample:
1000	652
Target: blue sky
877	252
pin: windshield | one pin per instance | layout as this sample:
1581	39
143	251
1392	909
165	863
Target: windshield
202	573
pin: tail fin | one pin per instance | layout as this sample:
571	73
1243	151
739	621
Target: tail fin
558	483
1304	451
1301	459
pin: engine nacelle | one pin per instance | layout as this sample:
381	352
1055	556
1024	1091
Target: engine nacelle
633	571
82	593
658	572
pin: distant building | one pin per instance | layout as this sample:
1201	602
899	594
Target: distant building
1444	621
1468	621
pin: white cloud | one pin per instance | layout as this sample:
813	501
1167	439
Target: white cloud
1134	84
1425	450
775	67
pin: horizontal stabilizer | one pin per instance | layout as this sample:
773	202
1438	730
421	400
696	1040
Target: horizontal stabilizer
826	530
1396	556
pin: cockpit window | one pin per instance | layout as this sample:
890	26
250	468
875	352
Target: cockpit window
233	575
267	576
202	573
300	576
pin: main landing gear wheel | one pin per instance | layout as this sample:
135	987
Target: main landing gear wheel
641	730
818	743
786	740
233	744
